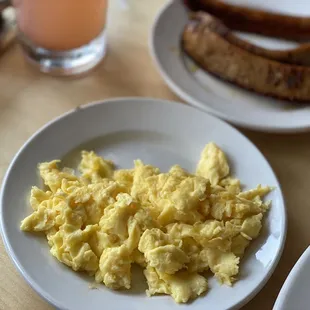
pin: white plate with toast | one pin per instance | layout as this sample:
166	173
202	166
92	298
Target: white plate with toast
209	93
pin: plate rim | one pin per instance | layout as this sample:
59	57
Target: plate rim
293	274
43	293
174	87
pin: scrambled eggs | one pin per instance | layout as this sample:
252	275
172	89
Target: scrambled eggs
175	225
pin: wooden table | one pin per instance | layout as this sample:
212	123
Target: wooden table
29	99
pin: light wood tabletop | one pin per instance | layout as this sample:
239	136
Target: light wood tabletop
28	99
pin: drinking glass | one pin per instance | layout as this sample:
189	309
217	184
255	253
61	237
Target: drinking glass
62	37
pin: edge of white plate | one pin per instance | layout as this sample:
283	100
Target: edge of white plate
281	299
205	108
45	295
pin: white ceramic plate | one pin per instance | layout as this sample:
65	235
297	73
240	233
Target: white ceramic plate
295	291
160	133
213	95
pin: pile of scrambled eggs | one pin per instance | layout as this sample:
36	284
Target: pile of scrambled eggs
176	225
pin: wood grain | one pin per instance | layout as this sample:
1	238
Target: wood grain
29	99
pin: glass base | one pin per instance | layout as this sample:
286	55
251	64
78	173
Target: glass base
65	63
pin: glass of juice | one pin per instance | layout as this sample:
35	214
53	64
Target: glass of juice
62	37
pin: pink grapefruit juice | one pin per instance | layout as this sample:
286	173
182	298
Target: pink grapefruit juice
61	25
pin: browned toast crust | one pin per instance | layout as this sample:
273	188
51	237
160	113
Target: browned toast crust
296	56
212	51
254	20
